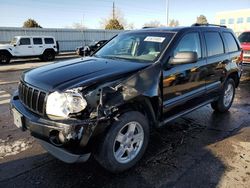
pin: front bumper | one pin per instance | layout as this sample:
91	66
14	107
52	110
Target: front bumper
76	132
62	154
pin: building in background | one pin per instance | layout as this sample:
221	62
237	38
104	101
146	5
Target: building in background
238	20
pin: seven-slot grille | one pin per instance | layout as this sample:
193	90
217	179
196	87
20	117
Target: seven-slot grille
32	98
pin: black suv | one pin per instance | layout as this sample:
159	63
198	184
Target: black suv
105	104
88	50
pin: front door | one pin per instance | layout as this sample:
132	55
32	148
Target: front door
184	84
24	48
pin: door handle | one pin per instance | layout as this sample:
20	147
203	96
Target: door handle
29	46
40	46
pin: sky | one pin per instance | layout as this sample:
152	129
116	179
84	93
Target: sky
64	13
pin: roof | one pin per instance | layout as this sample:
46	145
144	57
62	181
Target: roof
178	29
34	36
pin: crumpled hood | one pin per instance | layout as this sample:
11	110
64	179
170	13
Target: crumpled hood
79	72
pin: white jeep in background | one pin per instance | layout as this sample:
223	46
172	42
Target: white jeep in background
44	47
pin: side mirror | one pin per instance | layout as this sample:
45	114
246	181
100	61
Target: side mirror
184	58
14	45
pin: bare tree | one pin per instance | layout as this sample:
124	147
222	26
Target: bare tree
116	16
31	23
201	19
76	25
153	23
174	23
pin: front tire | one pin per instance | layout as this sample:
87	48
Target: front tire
4	58
226	98
125	142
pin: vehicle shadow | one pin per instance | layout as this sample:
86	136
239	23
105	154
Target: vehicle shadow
177	156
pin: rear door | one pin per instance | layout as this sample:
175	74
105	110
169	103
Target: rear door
37	45
184	84
217	62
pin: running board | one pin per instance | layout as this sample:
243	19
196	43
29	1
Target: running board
162	123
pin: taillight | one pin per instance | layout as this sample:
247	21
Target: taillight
241	56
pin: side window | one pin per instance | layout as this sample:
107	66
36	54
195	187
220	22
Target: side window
25	41
214	43
37	41
189	43
231	43
49	41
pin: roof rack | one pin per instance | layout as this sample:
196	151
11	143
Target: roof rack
147	27
197	24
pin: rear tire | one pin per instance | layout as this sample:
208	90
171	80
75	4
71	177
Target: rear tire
4	58
226	98
48	55
125	142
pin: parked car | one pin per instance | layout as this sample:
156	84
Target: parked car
44	47
88	50
105	104
244	39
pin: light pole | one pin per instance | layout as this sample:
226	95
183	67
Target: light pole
167	4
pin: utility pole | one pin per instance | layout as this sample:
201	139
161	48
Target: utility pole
83	33
113	10
167	8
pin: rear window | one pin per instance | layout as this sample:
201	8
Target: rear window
231	43
49	41
25	41
244	37
37	41
214	43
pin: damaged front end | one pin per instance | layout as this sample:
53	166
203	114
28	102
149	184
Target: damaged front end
72	138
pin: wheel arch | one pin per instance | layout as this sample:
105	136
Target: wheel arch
147	106
236	78
6	52
49	50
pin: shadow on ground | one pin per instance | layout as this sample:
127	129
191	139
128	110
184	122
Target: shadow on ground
188	152
177	156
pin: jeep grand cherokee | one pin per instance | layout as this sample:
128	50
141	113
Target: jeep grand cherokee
105	104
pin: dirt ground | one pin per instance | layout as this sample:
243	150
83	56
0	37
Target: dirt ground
201	149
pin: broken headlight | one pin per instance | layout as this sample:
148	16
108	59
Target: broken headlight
63	104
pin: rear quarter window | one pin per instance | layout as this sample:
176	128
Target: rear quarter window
49	40
214	43
231	43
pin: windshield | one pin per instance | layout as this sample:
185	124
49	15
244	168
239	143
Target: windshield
13	41
145	46
244	37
